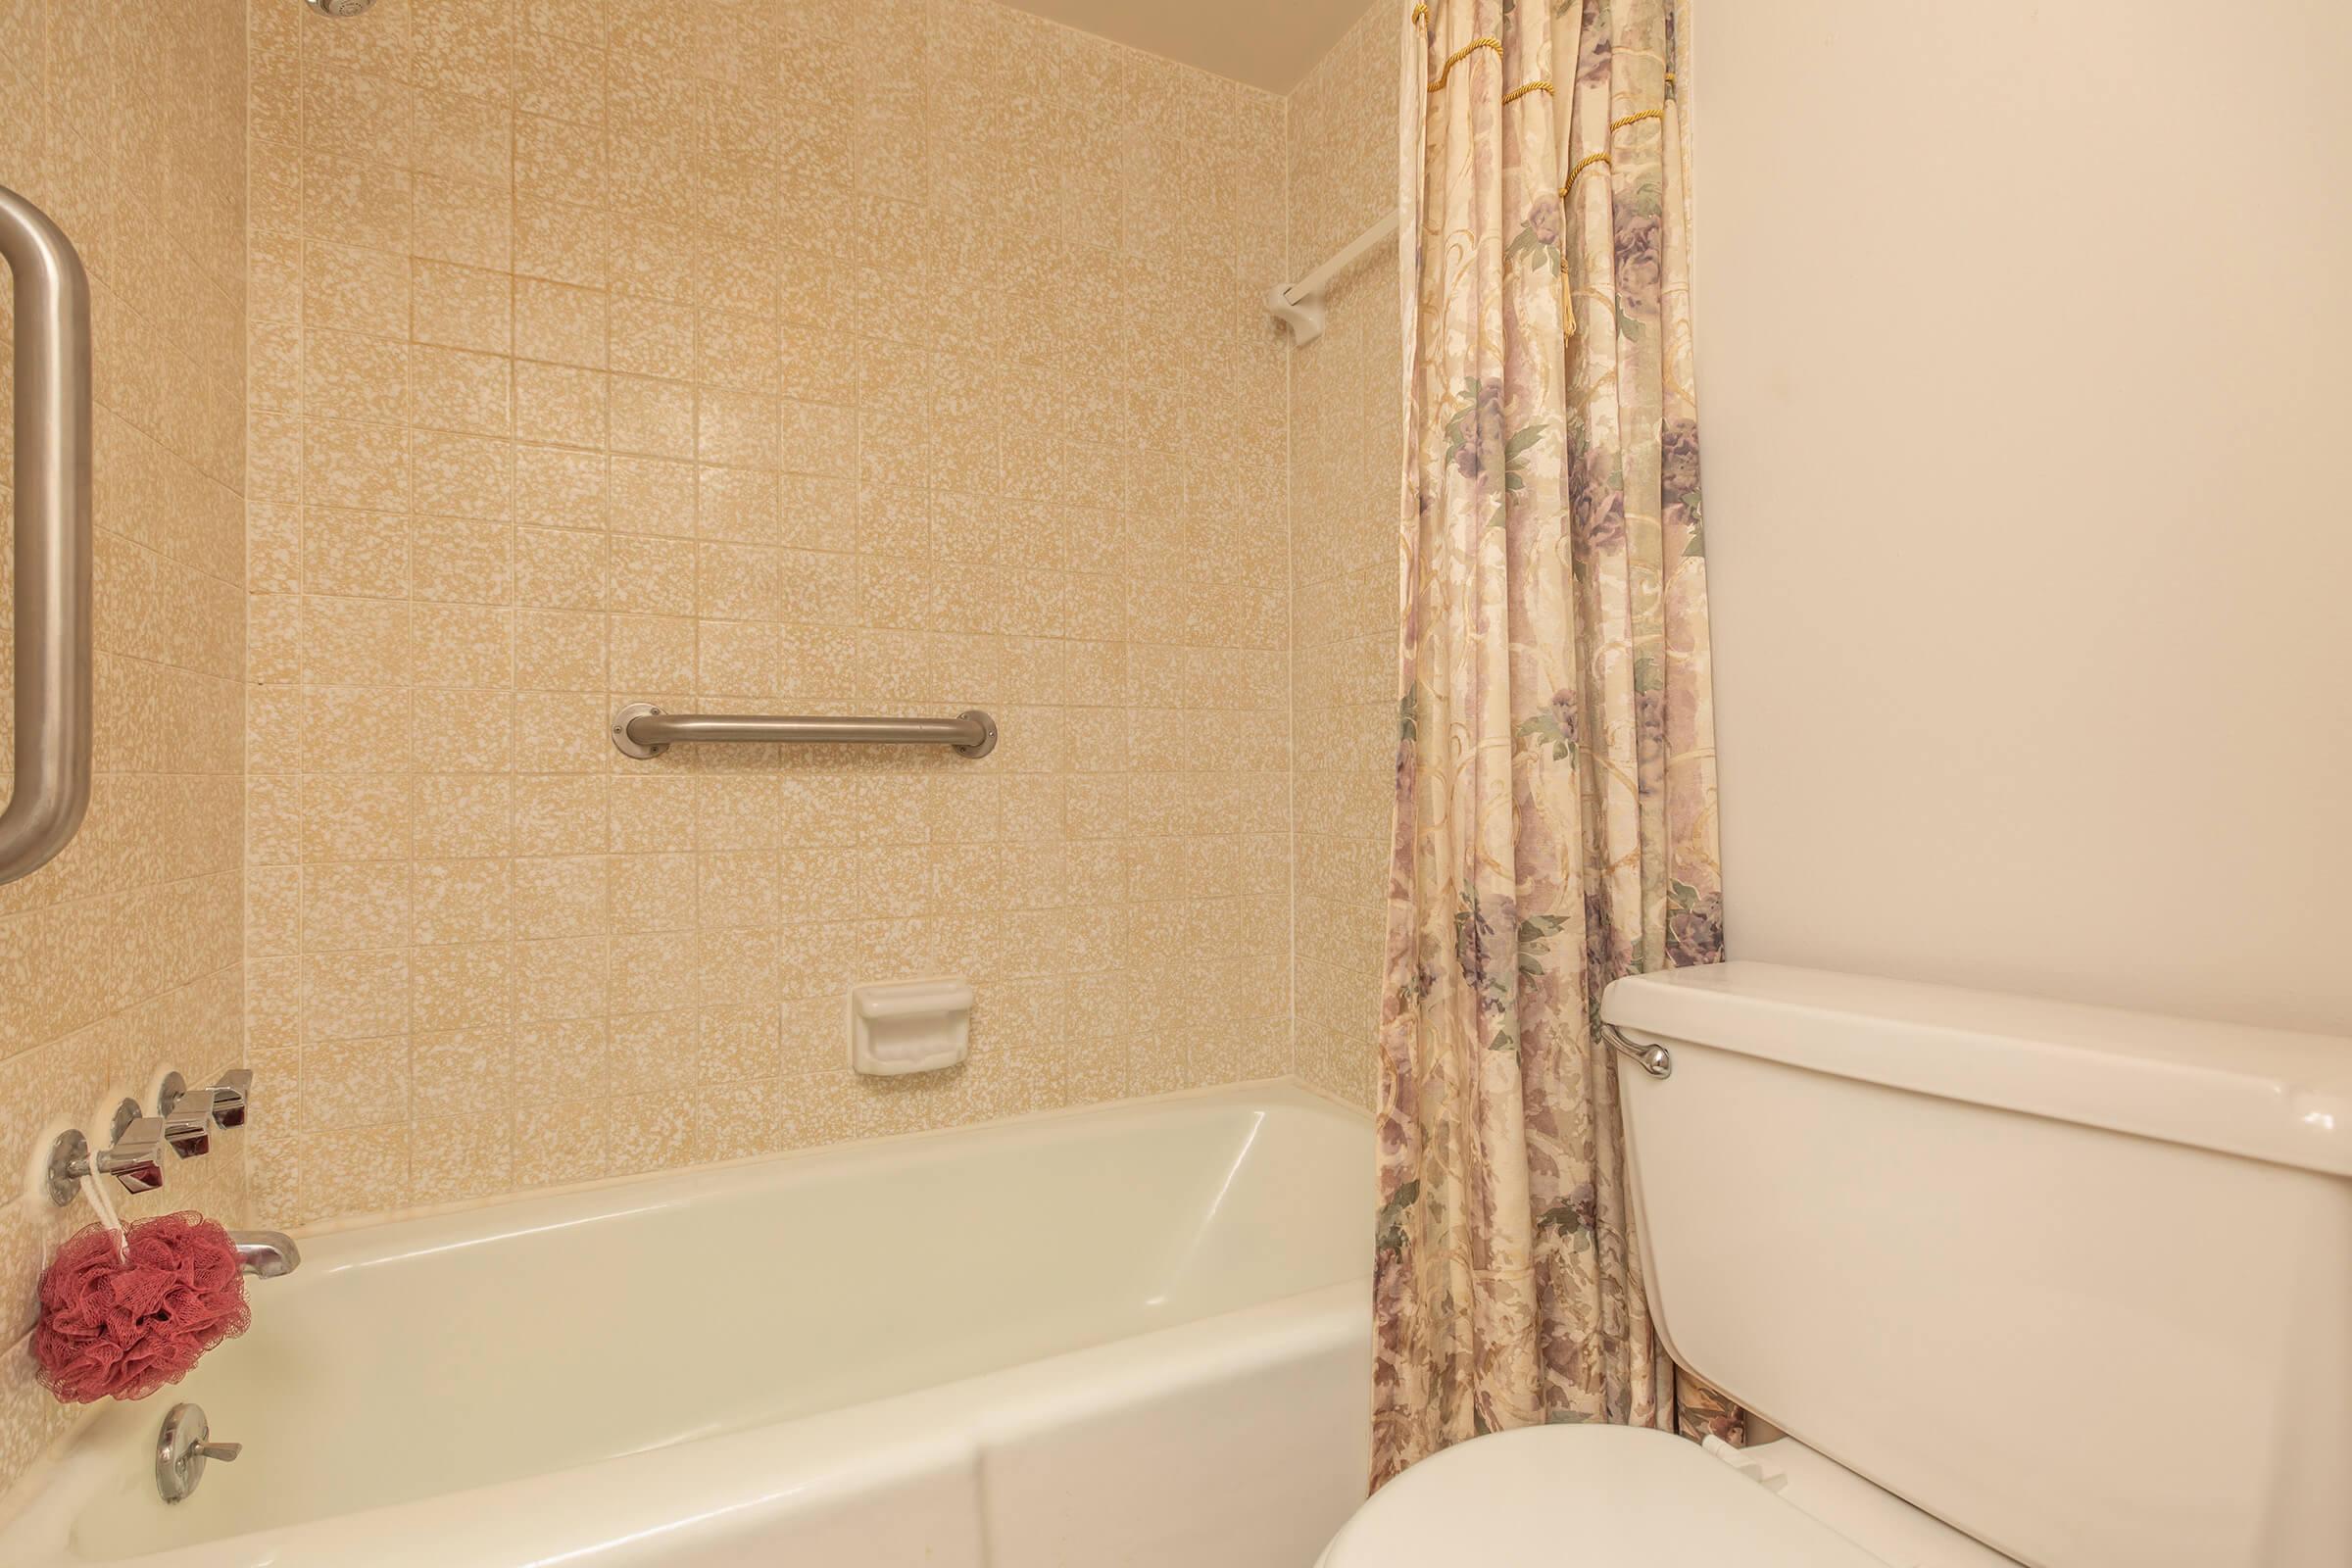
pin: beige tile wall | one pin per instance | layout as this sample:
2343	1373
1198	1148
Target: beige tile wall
1345	429
808	355
120	958
607	349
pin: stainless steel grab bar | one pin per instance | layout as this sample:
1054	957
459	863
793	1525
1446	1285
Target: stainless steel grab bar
52	296
642	729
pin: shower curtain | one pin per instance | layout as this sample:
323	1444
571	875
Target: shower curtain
1554	819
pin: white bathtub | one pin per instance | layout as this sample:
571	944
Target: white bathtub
1136	1335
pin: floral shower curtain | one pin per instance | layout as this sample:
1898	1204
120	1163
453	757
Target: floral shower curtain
1556	781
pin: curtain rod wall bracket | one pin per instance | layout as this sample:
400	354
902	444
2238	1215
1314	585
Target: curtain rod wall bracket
1304	316
1300	306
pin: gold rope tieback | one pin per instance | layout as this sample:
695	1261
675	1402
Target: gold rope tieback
1420	15
1589	159
1567	303
1582	164
1517	93
1464	53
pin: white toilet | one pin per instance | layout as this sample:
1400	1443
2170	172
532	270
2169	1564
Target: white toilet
2025	1282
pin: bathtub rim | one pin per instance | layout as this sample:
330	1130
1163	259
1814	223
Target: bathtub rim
1306	1097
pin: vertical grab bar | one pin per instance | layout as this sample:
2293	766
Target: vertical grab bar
52	296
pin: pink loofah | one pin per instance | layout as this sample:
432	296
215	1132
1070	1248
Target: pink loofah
126	1329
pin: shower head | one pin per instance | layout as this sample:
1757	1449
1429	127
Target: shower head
340	7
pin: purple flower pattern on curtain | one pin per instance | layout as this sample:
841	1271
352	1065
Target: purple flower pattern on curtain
1556	776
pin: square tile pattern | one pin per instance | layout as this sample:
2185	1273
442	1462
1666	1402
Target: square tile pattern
646	351
122	957
470	367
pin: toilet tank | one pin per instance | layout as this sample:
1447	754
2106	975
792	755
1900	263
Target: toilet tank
2078	1282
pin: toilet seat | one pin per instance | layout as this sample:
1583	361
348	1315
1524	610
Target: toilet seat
1572	1495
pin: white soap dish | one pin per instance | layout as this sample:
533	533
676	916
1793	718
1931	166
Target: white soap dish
911	1026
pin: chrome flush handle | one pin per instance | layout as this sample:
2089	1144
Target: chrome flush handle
1653	1059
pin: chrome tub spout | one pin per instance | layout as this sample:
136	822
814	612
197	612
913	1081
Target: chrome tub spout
267	1255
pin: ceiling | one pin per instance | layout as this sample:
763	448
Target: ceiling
1266	43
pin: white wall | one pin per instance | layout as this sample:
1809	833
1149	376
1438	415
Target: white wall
2024	338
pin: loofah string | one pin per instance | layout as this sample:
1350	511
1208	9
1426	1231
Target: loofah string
95	1190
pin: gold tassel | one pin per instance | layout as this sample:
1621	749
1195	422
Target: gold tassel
1567	294
1567	305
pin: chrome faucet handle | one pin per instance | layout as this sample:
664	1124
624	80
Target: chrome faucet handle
187	1118
136	1159
223	1101
229	1095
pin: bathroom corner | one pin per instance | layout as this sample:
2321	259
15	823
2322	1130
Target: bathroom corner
1346	415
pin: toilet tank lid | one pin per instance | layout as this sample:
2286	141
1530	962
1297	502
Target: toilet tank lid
2266	1094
